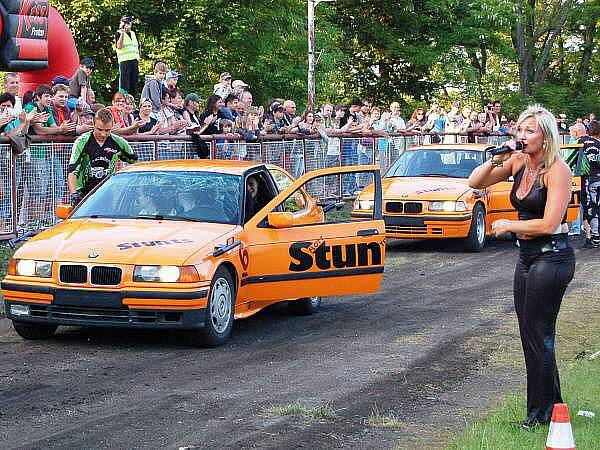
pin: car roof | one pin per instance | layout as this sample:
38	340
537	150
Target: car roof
200	165
473	147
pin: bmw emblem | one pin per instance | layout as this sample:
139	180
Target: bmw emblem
93	255
405	195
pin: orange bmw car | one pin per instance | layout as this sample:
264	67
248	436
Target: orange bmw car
194	245
426	195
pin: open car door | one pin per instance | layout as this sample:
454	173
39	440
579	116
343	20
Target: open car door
303	243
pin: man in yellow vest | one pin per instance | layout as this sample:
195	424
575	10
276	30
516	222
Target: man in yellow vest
128	54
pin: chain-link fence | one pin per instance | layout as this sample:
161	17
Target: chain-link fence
34	182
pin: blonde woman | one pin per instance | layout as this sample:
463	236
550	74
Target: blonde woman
546	264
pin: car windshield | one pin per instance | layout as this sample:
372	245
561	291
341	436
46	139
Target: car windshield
189	196
453	163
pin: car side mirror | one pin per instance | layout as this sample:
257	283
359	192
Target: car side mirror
63	211
281	219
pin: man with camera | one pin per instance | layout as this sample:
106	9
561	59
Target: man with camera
128	55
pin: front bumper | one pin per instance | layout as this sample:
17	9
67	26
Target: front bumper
427	227
106	308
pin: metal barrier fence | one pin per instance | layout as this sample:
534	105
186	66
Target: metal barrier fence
33	183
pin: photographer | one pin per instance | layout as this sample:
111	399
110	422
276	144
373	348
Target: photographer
128	55
546	264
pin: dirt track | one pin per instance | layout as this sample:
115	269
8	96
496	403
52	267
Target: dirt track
415	352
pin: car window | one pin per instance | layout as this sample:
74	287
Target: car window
456	163
282	179
325	199
189	195
257	194
295	202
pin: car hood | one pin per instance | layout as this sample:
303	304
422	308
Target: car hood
124	241
424	188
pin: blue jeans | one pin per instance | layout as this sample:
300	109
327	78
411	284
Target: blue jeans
349	158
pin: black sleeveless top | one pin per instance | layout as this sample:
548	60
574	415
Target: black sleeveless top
533	204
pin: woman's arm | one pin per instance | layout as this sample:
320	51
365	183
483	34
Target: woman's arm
558	182
496	169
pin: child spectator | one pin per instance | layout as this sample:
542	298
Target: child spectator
153	87
226	147
80	84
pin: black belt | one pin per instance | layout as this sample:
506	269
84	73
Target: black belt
545	244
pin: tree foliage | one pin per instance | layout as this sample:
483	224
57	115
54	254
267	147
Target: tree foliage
407	50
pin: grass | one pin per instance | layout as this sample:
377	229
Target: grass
319	412
5	255
378	418
578	337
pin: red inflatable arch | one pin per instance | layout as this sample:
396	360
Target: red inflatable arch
35	41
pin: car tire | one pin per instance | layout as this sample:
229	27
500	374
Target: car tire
218	320
34	331
305	306
475	240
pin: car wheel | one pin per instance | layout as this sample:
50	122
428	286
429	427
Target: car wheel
305	306
34	330
218	320
475	240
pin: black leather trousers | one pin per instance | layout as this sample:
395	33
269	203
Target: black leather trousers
539	284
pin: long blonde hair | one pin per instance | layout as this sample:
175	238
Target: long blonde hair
547	122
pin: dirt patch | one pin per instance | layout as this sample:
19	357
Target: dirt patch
405	368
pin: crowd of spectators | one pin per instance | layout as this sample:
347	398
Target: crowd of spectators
67	106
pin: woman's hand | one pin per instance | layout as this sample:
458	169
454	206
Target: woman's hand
500	227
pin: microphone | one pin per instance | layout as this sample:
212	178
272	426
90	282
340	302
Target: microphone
506	149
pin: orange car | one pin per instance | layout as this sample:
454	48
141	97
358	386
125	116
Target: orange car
426	195
194	245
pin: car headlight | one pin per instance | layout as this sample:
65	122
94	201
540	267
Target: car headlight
166	274
448	206
366	205
31	268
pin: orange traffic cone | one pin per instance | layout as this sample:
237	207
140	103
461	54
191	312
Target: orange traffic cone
560	434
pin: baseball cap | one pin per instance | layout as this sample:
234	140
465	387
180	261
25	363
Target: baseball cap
238	83
318	117
60	79
87	62
225	76
172	74
562	116
356	102
276	107
126	18
192	97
